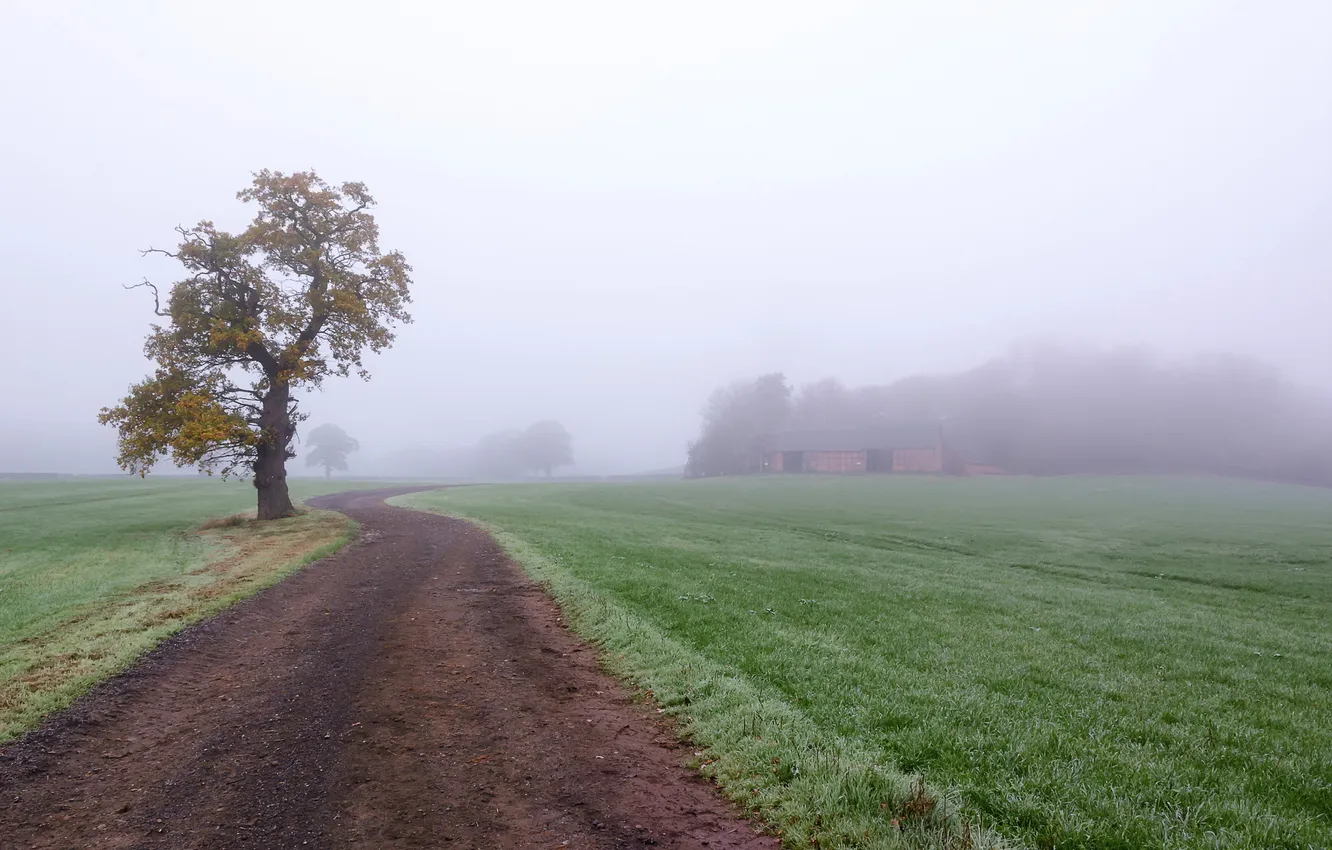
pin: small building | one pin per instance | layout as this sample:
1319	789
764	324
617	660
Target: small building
900	447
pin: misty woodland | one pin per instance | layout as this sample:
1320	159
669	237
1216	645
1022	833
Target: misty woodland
1052	410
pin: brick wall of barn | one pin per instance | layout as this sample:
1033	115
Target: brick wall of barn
835	461
917	460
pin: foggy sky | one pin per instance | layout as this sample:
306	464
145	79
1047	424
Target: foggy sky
610	210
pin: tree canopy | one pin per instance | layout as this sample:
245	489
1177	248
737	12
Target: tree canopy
734	419
544	446
297	296
329	447
1056	409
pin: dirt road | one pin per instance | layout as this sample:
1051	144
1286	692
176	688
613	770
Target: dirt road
414	690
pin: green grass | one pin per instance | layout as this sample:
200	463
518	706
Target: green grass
1077	662
95	572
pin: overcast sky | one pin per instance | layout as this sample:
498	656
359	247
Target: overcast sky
613	207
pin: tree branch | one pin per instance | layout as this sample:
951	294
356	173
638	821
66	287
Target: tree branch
260	354
157	301
318	286
165	253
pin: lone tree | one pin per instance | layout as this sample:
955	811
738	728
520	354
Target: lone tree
329	447
544	446
294	298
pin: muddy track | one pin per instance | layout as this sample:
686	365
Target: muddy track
414	690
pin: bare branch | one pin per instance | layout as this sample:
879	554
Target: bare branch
157	301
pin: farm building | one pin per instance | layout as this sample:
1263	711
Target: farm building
902	447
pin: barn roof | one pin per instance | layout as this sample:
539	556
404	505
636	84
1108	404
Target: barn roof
898	435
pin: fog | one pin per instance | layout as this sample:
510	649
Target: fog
613	210
1042	409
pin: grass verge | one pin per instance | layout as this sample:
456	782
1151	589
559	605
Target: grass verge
813	789
93	576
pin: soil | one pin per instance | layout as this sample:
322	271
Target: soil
414	690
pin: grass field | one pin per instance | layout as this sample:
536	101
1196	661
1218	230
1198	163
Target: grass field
1079	662
95	572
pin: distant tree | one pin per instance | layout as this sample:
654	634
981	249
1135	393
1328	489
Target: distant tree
544	446
329	447
295	297
734	419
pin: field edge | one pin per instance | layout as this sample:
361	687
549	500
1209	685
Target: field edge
811	789
137	621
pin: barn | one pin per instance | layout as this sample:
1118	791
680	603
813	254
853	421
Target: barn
901	447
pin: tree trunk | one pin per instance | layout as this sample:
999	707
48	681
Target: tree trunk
270	465
328	472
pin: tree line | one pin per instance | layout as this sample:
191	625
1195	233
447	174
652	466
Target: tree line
509	455
539	449
1054	409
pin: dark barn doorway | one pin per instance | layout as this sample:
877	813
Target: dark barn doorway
793	461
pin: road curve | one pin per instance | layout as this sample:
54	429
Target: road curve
413	690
